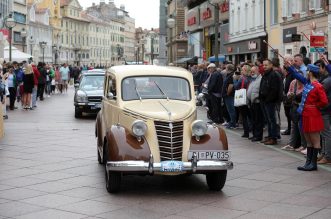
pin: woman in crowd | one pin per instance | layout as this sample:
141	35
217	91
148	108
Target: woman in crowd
28	84
12	87
313	99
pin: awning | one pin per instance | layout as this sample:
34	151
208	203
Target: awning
187	60
221	58
17	55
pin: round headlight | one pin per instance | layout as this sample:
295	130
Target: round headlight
81	96
199	128
139	128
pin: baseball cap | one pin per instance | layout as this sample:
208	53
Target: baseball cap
211	65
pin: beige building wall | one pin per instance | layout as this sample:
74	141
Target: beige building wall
274	30
19	7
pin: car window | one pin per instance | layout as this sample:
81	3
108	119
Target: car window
92	82
155	87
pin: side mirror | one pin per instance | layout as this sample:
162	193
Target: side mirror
110	95
76	85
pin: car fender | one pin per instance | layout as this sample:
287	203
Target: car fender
122	145
214	139
98	131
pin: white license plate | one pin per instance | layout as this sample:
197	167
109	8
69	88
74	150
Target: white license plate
210	155
96	106
172	166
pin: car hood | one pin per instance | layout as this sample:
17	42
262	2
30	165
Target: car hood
93	92
163	109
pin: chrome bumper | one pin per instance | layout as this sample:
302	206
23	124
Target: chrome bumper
151	167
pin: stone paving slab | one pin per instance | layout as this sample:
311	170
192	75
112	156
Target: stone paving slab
49	170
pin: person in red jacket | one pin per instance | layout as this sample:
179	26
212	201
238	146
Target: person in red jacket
36	75
313	99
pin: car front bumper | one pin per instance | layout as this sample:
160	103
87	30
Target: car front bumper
88	107
195	166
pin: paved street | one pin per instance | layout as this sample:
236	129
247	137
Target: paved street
49	169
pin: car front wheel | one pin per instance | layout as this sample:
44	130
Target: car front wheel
113	182
78	113
216	181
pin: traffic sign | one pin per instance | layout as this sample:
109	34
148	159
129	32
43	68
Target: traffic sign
319	49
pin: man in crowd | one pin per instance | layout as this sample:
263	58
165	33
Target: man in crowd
215	93
299	65
269	97
228	95
64	71
325	80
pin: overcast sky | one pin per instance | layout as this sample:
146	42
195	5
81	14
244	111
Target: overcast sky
145	12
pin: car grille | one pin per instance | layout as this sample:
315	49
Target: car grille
94	99
170	138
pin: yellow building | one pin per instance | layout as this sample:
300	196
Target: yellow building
273	28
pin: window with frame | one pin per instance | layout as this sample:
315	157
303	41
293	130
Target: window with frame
273	12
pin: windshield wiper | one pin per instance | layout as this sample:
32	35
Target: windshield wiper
161	90
135	87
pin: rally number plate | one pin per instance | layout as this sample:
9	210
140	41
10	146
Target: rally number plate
210	155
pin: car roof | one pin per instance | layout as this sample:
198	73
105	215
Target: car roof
94	73
122	71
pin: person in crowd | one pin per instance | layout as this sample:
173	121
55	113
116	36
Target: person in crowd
254	104
269	98
28	84
287	99
297	140
12	87
313	99
36	75
276	67
242	82
259	64
228	96
215	92
49	76
299	64
58	80
65	71
4	91
325	80
19	74
41	81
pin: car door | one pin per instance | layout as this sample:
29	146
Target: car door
110	103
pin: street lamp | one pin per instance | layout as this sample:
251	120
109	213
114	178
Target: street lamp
43	45
216	21
152	34
171	24
23	36
55	53
31	41
10	24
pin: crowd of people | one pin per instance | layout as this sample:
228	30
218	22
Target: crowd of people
22	84
301	88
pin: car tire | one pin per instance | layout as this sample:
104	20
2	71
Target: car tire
78	113
113	180
216	181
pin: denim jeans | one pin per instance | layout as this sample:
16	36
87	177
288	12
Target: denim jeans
326	137
229	103
270	113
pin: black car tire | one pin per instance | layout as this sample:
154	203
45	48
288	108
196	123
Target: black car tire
113	180
216	181
78	113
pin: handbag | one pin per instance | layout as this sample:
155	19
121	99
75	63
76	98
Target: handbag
240	96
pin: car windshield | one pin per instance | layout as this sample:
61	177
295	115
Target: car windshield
92	82
155	87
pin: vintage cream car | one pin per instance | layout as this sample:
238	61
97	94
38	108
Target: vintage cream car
148	125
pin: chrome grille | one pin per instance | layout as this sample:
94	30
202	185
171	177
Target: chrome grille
170	138
94	99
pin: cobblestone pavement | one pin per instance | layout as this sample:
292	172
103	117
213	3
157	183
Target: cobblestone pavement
49	169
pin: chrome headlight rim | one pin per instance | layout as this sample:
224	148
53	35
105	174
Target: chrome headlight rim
139	128
81	96
199	128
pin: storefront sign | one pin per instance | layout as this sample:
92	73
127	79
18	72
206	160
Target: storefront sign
287	34
206	14
319	49
252	45
191	21
224	7
317	41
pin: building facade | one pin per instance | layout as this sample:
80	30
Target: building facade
162	58
273	27
39	37
306	18
152	46
20	11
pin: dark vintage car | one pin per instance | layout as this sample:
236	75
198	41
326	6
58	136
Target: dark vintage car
89	93
148	125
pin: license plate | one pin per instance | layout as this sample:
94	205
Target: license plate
210	155
96	106
172	166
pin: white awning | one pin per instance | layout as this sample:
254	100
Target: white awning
16	55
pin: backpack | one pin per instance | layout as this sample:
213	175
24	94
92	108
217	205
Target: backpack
19	75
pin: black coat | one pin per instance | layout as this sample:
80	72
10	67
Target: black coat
215	84
271	87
